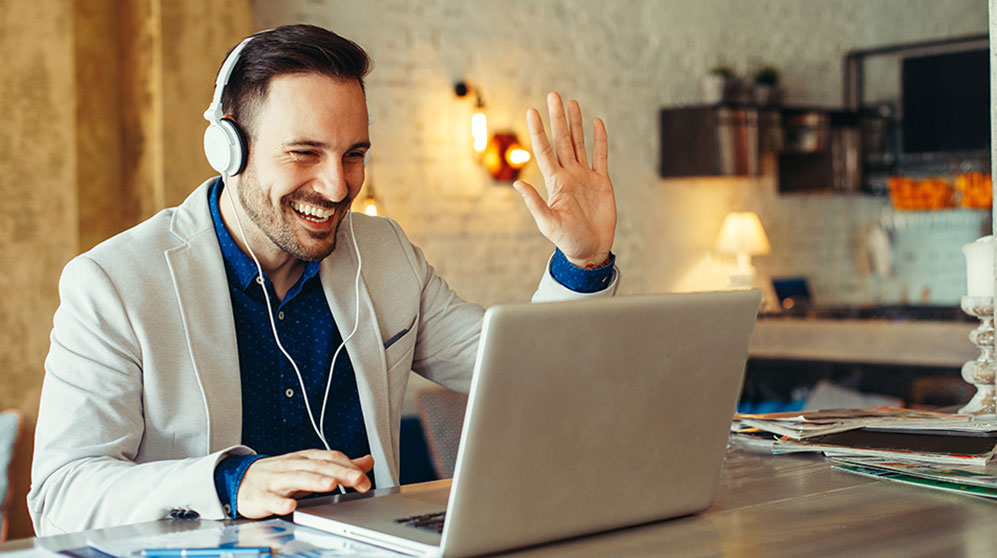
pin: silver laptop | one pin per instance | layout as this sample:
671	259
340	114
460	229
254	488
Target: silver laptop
583	416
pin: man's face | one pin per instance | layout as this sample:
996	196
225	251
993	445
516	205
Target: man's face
308	142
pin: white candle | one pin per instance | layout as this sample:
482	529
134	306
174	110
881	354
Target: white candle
980	266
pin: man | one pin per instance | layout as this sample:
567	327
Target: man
183	381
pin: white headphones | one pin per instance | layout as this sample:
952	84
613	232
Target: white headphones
224	144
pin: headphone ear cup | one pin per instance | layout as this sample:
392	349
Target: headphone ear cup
225	147
241	141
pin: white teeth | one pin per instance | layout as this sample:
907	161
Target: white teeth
313	211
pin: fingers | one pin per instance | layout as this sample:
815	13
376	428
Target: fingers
567	142
269	484
541	147
304	481
600	152
559	129
577	132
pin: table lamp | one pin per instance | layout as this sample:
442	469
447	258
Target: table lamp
742	235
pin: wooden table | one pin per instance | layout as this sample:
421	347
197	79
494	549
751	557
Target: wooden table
799	506
766	506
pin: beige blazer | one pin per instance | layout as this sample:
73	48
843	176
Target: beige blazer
141	397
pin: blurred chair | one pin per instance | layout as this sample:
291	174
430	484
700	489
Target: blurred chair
441	413
10	431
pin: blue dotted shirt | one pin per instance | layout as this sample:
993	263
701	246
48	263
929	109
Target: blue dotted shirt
274	419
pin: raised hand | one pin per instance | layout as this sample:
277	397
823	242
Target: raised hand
579	216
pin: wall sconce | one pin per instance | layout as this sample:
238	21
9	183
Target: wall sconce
501	153
742	235
479	122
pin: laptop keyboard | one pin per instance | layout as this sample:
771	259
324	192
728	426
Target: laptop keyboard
430	521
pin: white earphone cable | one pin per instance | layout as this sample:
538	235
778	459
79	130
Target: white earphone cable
356	324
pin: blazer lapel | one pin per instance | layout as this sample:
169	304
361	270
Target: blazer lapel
198	274
338	275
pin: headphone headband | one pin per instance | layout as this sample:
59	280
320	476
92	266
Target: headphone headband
214	112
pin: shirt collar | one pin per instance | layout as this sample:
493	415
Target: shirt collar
243	269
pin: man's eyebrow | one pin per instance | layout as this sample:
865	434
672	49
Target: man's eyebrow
304	143
323	145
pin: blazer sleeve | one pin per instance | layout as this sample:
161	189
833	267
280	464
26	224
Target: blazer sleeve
85	472
449	327
550	290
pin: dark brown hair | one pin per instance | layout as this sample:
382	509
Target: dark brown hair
290	49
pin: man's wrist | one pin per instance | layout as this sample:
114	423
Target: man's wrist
595	262
228	478
579	279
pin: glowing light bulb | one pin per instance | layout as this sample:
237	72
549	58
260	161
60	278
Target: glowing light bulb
517	157
479	131
369	207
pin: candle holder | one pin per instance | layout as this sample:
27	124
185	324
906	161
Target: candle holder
980	372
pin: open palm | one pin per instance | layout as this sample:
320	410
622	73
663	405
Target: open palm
579	215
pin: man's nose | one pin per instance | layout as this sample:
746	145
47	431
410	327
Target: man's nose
331	182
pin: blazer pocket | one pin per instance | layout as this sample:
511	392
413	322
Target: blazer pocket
398	336
394	338
399	346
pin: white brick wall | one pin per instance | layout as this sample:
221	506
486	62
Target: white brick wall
624	60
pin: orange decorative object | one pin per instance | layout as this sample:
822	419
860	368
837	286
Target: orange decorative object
921	193
974	190
504	156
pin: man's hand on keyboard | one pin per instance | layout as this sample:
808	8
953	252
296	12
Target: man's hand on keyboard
271	484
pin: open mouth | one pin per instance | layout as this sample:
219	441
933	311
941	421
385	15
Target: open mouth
312	213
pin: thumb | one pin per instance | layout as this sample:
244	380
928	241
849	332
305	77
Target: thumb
534	203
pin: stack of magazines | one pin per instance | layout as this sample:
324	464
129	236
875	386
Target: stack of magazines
937	450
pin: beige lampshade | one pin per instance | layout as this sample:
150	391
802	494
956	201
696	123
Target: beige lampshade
742	234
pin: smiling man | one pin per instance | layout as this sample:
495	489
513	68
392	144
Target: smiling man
253	344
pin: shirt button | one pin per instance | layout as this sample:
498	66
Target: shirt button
259	279
280	315
289	393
